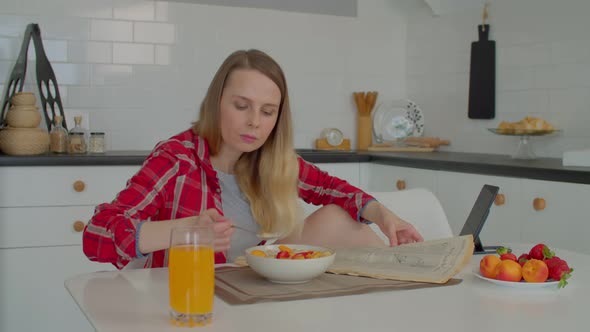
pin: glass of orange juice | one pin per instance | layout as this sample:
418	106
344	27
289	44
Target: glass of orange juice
191	273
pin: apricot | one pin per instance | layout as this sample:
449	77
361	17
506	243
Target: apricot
535	270
286	248
508	270
258	253
487	266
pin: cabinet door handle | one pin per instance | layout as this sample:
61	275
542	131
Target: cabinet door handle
79	186
500	199
78	226
539	204
400	184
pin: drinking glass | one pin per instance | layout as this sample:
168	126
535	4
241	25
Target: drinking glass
191	274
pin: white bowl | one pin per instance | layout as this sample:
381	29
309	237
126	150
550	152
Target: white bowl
289	271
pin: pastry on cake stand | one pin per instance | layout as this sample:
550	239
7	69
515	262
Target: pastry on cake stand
525	145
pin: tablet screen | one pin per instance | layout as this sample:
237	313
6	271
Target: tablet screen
479	214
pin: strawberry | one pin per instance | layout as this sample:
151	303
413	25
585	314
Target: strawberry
552	261
506	254
540	252
283	255
523	259
559	271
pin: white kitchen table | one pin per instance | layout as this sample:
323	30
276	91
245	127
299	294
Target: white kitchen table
137	300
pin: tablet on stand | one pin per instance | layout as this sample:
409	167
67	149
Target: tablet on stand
477	217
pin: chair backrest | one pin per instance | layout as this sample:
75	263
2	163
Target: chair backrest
420	207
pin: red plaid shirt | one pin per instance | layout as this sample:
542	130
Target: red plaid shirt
177	180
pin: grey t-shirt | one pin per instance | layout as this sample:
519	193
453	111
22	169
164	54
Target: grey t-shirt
236	207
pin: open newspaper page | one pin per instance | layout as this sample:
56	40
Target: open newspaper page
434	261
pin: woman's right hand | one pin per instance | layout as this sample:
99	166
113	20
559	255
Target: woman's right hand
222	227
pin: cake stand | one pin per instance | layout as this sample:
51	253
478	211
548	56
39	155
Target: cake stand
525	145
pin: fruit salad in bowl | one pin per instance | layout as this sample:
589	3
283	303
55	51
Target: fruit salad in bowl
291	263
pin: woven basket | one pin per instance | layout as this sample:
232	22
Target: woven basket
24	141
24	99
23	117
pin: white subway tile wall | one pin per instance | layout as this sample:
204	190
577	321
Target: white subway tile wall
543	69
90	52
137	54
138	70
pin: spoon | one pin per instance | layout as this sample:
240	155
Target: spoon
266	236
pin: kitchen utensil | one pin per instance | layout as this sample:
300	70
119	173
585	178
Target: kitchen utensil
390	123
434	142
24	141
268	237
521	284
414	114
525	146
17	77
23	117
399	148
46	82
482	77
365	102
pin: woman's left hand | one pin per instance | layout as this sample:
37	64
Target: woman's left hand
397	230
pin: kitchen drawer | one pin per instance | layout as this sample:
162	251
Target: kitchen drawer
563	221
394	178
458	192
57	185
43	226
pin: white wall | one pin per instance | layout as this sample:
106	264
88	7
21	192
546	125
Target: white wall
543	69
139	69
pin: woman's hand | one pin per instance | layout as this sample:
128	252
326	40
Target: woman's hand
222	228
156	235
398	231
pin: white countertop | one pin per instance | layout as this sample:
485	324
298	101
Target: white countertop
137	300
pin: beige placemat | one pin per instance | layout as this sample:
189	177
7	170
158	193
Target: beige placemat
241	285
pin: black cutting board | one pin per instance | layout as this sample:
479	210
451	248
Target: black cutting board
482	76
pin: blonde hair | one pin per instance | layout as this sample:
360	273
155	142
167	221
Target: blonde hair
267	176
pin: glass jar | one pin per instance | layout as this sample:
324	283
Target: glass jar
76	143
58	137
96	144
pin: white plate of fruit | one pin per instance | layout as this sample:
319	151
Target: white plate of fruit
536	269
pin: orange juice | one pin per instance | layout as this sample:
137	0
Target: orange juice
191	274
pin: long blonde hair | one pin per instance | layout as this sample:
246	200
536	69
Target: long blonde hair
267	176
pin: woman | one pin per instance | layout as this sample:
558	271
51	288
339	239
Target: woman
236	165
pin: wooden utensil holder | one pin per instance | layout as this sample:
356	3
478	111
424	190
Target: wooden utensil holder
364	134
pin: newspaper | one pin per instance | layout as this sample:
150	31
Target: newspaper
434	261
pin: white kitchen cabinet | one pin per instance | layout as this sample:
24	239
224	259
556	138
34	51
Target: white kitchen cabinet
457	192
42	213
345	171
61	186
393	178
564	222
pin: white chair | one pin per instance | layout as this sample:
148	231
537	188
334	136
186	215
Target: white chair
420	207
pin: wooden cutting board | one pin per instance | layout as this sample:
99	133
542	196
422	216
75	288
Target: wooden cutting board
482	76
391	148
